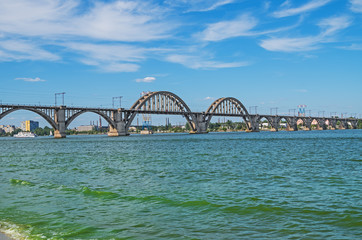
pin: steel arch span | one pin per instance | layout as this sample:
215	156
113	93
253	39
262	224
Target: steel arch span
161	102
228	106
44	113
70	118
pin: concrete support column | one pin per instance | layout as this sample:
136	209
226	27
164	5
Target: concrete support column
120	128
292	124
308	124
253	124
60	121
292	128
274	124
201	123
333	124
354	124
342	125
321	125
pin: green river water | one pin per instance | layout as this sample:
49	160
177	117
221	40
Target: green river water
283	185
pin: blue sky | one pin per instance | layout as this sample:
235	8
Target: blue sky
265	53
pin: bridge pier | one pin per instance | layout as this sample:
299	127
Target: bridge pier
253	124
333	124
308	124
321	124
292	124
292	128
201	124
354	124
59	118
274	124
120	128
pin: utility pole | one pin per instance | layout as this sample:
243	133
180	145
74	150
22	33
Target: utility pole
56	94
293	111
120	101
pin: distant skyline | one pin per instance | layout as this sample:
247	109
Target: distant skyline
264	53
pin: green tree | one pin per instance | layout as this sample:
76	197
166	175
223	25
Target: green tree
359	124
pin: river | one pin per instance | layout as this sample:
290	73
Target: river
267	185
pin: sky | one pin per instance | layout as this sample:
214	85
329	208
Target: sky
265	53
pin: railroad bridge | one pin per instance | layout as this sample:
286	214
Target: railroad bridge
163	102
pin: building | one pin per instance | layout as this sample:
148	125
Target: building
85	128
29	125
7	128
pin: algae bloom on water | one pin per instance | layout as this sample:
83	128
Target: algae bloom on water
20	182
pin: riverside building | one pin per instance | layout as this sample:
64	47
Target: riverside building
29	125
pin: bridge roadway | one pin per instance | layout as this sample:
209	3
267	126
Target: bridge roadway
167	103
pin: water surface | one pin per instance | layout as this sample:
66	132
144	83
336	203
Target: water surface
284	185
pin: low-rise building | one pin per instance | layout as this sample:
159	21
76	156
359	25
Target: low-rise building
7	128
85	128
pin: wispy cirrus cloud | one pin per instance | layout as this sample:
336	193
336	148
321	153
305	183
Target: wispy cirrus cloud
196	62
240	26
290	44
92	34
356	5
37	79
309	6
146	79
116	20
18	50
109	57
198	5
353	46
329	27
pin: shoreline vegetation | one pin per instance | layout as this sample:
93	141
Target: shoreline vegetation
228	126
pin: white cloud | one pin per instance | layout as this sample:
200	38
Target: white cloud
146	79
195	62
356	5
115	20
198	5
31	79
290	44
92	32
329	27
353	46
109	58
227	29
118	67
16	50
314	4
215	5
209	98
334	24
